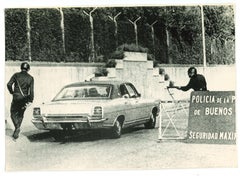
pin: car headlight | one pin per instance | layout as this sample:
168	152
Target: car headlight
97	112
36	112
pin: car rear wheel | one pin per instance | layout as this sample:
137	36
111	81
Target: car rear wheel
117	129
151	123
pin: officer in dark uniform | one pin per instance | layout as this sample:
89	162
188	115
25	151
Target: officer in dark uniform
197	82
23	94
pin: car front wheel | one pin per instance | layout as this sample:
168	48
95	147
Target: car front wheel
117	129
151	123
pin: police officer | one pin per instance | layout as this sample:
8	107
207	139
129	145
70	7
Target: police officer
21	86
197	82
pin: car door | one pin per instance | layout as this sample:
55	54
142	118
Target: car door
139	111
127	105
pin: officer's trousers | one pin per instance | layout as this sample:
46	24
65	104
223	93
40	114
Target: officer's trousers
17	113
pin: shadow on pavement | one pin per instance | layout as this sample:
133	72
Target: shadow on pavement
75	136
96	135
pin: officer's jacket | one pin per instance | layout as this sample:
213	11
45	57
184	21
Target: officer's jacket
26	83
197	83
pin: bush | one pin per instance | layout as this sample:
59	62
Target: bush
150	57
161	71
171	84
101	71
111	63
166	77
119	53
132	47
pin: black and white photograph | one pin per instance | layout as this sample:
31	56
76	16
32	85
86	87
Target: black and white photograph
119	87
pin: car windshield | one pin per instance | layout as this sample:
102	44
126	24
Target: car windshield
84	92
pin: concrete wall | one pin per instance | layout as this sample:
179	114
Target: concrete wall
150	84
219	78
49	78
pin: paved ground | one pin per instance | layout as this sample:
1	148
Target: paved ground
137	149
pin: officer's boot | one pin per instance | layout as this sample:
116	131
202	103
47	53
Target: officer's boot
16	133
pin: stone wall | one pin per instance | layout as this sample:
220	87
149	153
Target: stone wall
50	78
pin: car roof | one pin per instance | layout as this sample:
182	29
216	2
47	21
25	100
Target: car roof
100	82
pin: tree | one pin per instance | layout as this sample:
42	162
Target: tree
175	38
220	33
15	35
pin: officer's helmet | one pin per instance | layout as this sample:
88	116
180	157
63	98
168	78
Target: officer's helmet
25	66
192	71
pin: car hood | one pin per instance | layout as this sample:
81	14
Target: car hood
70	107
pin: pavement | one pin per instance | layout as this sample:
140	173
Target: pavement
164	154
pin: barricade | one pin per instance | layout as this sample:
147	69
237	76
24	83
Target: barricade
173	118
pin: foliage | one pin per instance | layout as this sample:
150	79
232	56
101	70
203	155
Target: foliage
171	84
166	77
151	57
220	37
155	63
119	53
161	71
101	71
111	63
177	34
16	39
132	48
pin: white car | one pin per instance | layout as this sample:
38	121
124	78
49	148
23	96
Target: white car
96	105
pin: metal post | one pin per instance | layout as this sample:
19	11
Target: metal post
116	26
63	32
135	29
153	38
160	122
92	57
29	35
203	39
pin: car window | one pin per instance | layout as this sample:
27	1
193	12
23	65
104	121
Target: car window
123	90
84	92
132	91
